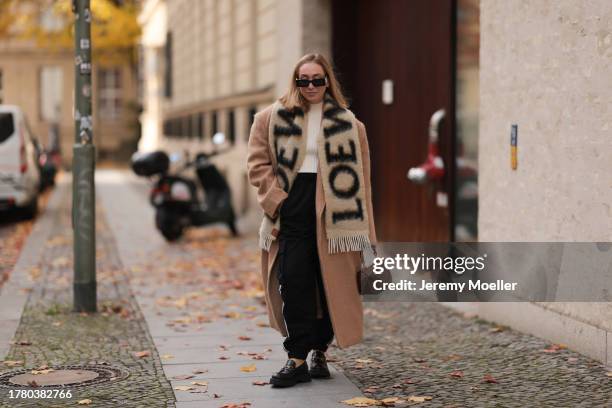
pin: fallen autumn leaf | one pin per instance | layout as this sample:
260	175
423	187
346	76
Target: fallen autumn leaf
249	368
414	398
488	378
182	377
361	402
13	363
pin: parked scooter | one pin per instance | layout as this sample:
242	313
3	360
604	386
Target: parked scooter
175	197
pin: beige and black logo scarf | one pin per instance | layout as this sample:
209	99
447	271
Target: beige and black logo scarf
341	167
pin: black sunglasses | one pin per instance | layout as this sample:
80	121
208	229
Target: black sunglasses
303	83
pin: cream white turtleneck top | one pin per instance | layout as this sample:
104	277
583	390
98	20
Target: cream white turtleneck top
313	117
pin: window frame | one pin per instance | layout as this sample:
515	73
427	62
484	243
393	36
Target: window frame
107	93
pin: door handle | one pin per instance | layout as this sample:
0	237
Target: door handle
433	167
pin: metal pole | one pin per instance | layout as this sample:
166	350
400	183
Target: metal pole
83	164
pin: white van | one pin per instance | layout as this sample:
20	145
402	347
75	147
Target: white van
19	173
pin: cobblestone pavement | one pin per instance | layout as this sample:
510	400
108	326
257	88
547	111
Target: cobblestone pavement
426	349
50	334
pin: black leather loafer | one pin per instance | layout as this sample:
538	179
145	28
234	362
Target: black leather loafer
318	365
290	375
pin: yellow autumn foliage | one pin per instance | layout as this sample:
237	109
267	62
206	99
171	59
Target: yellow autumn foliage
50	23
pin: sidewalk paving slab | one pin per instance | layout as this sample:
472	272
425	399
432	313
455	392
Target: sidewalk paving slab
287	400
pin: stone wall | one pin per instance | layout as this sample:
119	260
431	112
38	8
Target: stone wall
547	67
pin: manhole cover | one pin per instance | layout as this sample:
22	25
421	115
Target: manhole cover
63	376
55	377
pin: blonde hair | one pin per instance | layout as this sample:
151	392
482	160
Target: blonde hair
293	98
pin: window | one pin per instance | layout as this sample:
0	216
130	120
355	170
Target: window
7	127
178	127
200	126
172	125
252	112
187	127
168	131
109	85
194	126
214	122
231	126
168	71
50	93
171	128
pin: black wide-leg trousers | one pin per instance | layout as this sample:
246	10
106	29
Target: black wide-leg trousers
299	273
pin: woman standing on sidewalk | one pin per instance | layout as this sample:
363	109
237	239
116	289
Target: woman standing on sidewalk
308	158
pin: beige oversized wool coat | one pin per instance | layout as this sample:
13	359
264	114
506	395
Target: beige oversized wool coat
339	271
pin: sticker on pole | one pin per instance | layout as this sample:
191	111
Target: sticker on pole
86	90
85	123
85	68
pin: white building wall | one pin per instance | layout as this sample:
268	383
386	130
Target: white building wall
547	67
153	20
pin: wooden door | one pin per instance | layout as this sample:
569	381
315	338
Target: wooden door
411	43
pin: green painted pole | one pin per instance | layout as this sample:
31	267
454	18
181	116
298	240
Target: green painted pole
83	165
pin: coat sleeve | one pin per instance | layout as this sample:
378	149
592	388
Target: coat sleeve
261	171
365	159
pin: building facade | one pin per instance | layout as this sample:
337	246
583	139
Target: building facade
543	65
41	82
210	65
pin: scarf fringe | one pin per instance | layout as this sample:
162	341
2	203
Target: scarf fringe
348	243
265	242
334	245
